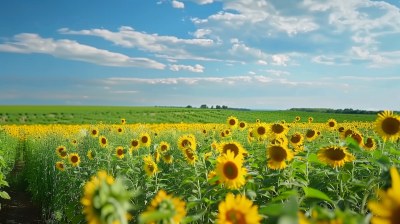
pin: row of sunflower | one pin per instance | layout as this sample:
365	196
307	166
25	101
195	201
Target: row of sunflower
233	172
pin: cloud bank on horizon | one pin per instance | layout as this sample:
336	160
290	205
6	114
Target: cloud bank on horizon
242	53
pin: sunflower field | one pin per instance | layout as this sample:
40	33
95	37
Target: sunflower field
228	172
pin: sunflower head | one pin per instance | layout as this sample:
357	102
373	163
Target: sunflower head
150	167
74	159
163	147
296	139
232	121
185	141
242	125
335	156
103	141
369	144
167	158
237	209
62	152
278	130
230	170
331	124
387	125
105	200
145	140
134	144
278	155
60	166
190	155
120	152
388	209
164	208
91	154
94	132
311	134
232	146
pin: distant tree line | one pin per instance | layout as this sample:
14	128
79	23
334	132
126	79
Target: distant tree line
218	107
336	111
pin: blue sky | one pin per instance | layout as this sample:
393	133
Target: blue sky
239	53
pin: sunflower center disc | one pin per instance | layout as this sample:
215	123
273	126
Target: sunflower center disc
391	126
335	154
231	171
235	217
278	153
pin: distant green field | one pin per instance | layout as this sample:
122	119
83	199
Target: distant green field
113	114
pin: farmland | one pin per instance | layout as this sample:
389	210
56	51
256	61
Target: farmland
170	165
110	115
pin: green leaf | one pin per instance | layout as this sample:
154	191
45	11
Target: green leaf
4	195
314	193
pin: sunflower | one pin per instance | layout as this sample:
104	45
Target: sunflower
260	131
232	121
347	133
185	141
277	130
74	159
207	155
145	140
280	141
387	125
214	145
90	154
297	118
173	209
335	156
310	119
296	139
230	170
74	142
123	121
369	144
388	210
60	166
134	145
61	152
103	141
120	152
150	167
242	125
120	130
105	200
156	156
227	132
237	209
233	146
210	177
167	158
311	135
163	147
94	132
331	124
277	156
190	156
357	137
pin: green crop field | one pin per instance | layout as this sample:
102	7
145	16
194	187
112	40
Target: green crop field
92	164
113	114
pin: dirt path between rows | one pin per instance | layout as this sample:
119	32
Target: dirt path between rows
20	208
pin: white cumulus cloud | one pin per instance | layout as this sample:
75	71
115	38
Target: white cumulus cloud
177	4
196	68
68	49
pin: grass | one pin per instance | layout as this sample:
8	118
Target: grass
112	114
